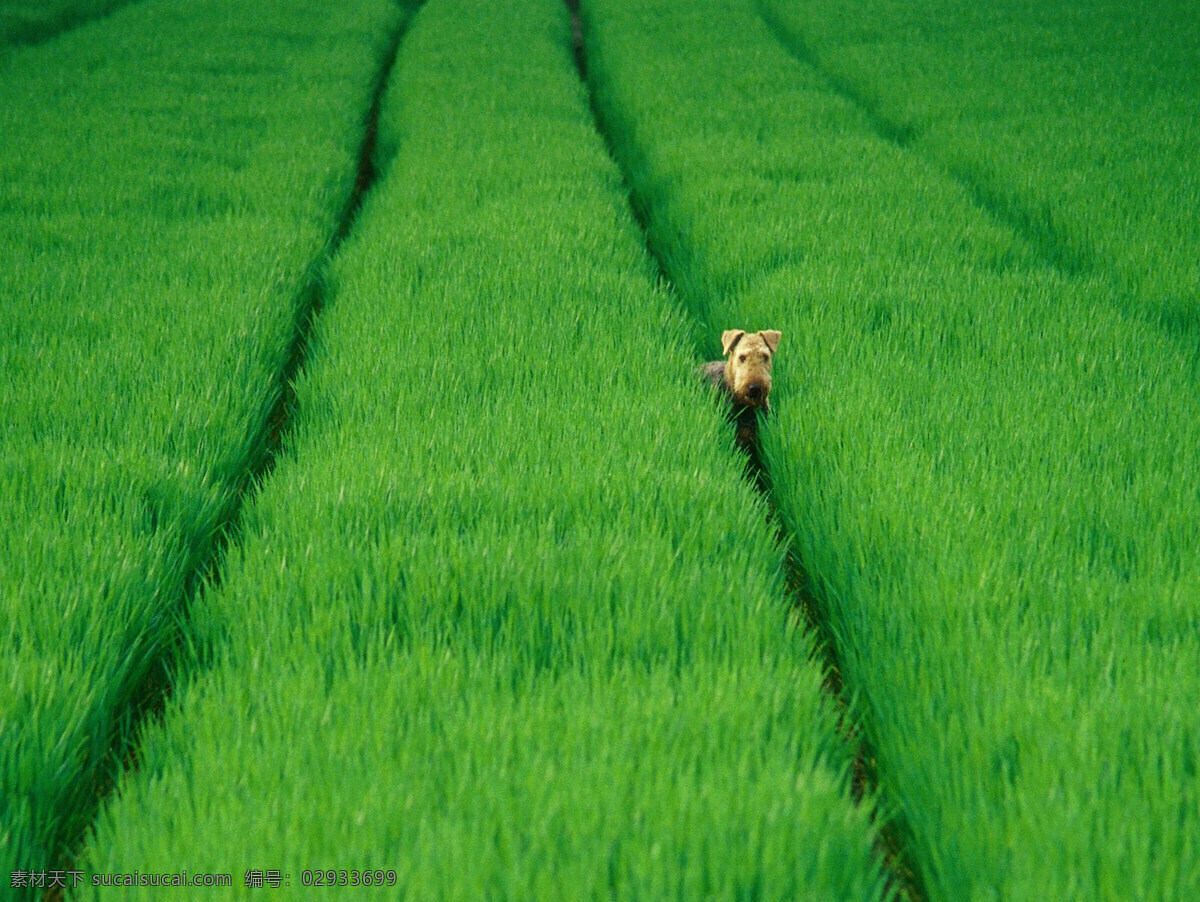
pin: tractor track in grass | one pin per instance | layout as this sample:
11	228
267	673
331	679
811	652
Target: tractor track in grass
1068	255
270	438
50	29
902	878
1052	247
641	213
802	594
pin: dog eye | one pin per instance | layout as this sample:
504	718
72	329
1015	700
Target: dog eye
741	358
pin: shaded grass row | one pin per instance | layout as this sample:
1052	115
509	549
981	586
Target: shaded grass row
507	618
33	21
157	259
986	468
1074	121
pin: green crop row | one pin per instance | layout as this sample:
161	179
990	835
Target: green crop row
507	620
987	468
169	180
1076	121
30	21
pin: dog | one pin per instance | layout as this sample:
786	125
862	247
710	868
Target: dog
745	376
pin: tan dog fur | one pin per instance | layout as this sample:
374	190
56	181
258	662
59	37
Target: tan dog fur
746	372
745	376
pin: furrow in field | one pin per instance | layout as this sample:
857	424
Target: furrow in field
505	623
273	431
161	272
637	210
798	584
1075	125
314	294
27	22
1057	249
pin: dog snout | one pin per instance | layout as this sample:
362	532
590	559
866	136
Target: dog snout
754	391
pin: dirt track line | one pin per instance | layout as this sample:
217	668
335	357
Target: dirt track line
67	21
640	211
1068	255
270	438
1051	246
798	586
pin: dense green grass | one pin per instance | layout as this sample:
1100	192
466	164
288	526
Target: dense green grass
30	21
168	180
1075	120
988	468
507	618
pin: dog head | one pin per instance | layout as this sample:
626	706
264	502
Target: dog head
748	365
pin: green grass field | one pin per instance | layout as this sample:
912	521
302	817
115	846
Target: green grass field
985	465
404	540
172	176
1075	122
525	625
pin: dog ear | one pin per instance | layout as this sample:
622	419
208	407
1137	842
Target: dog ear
771	337
729	340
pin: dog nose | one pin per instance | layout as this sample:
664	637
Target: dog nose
754	391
